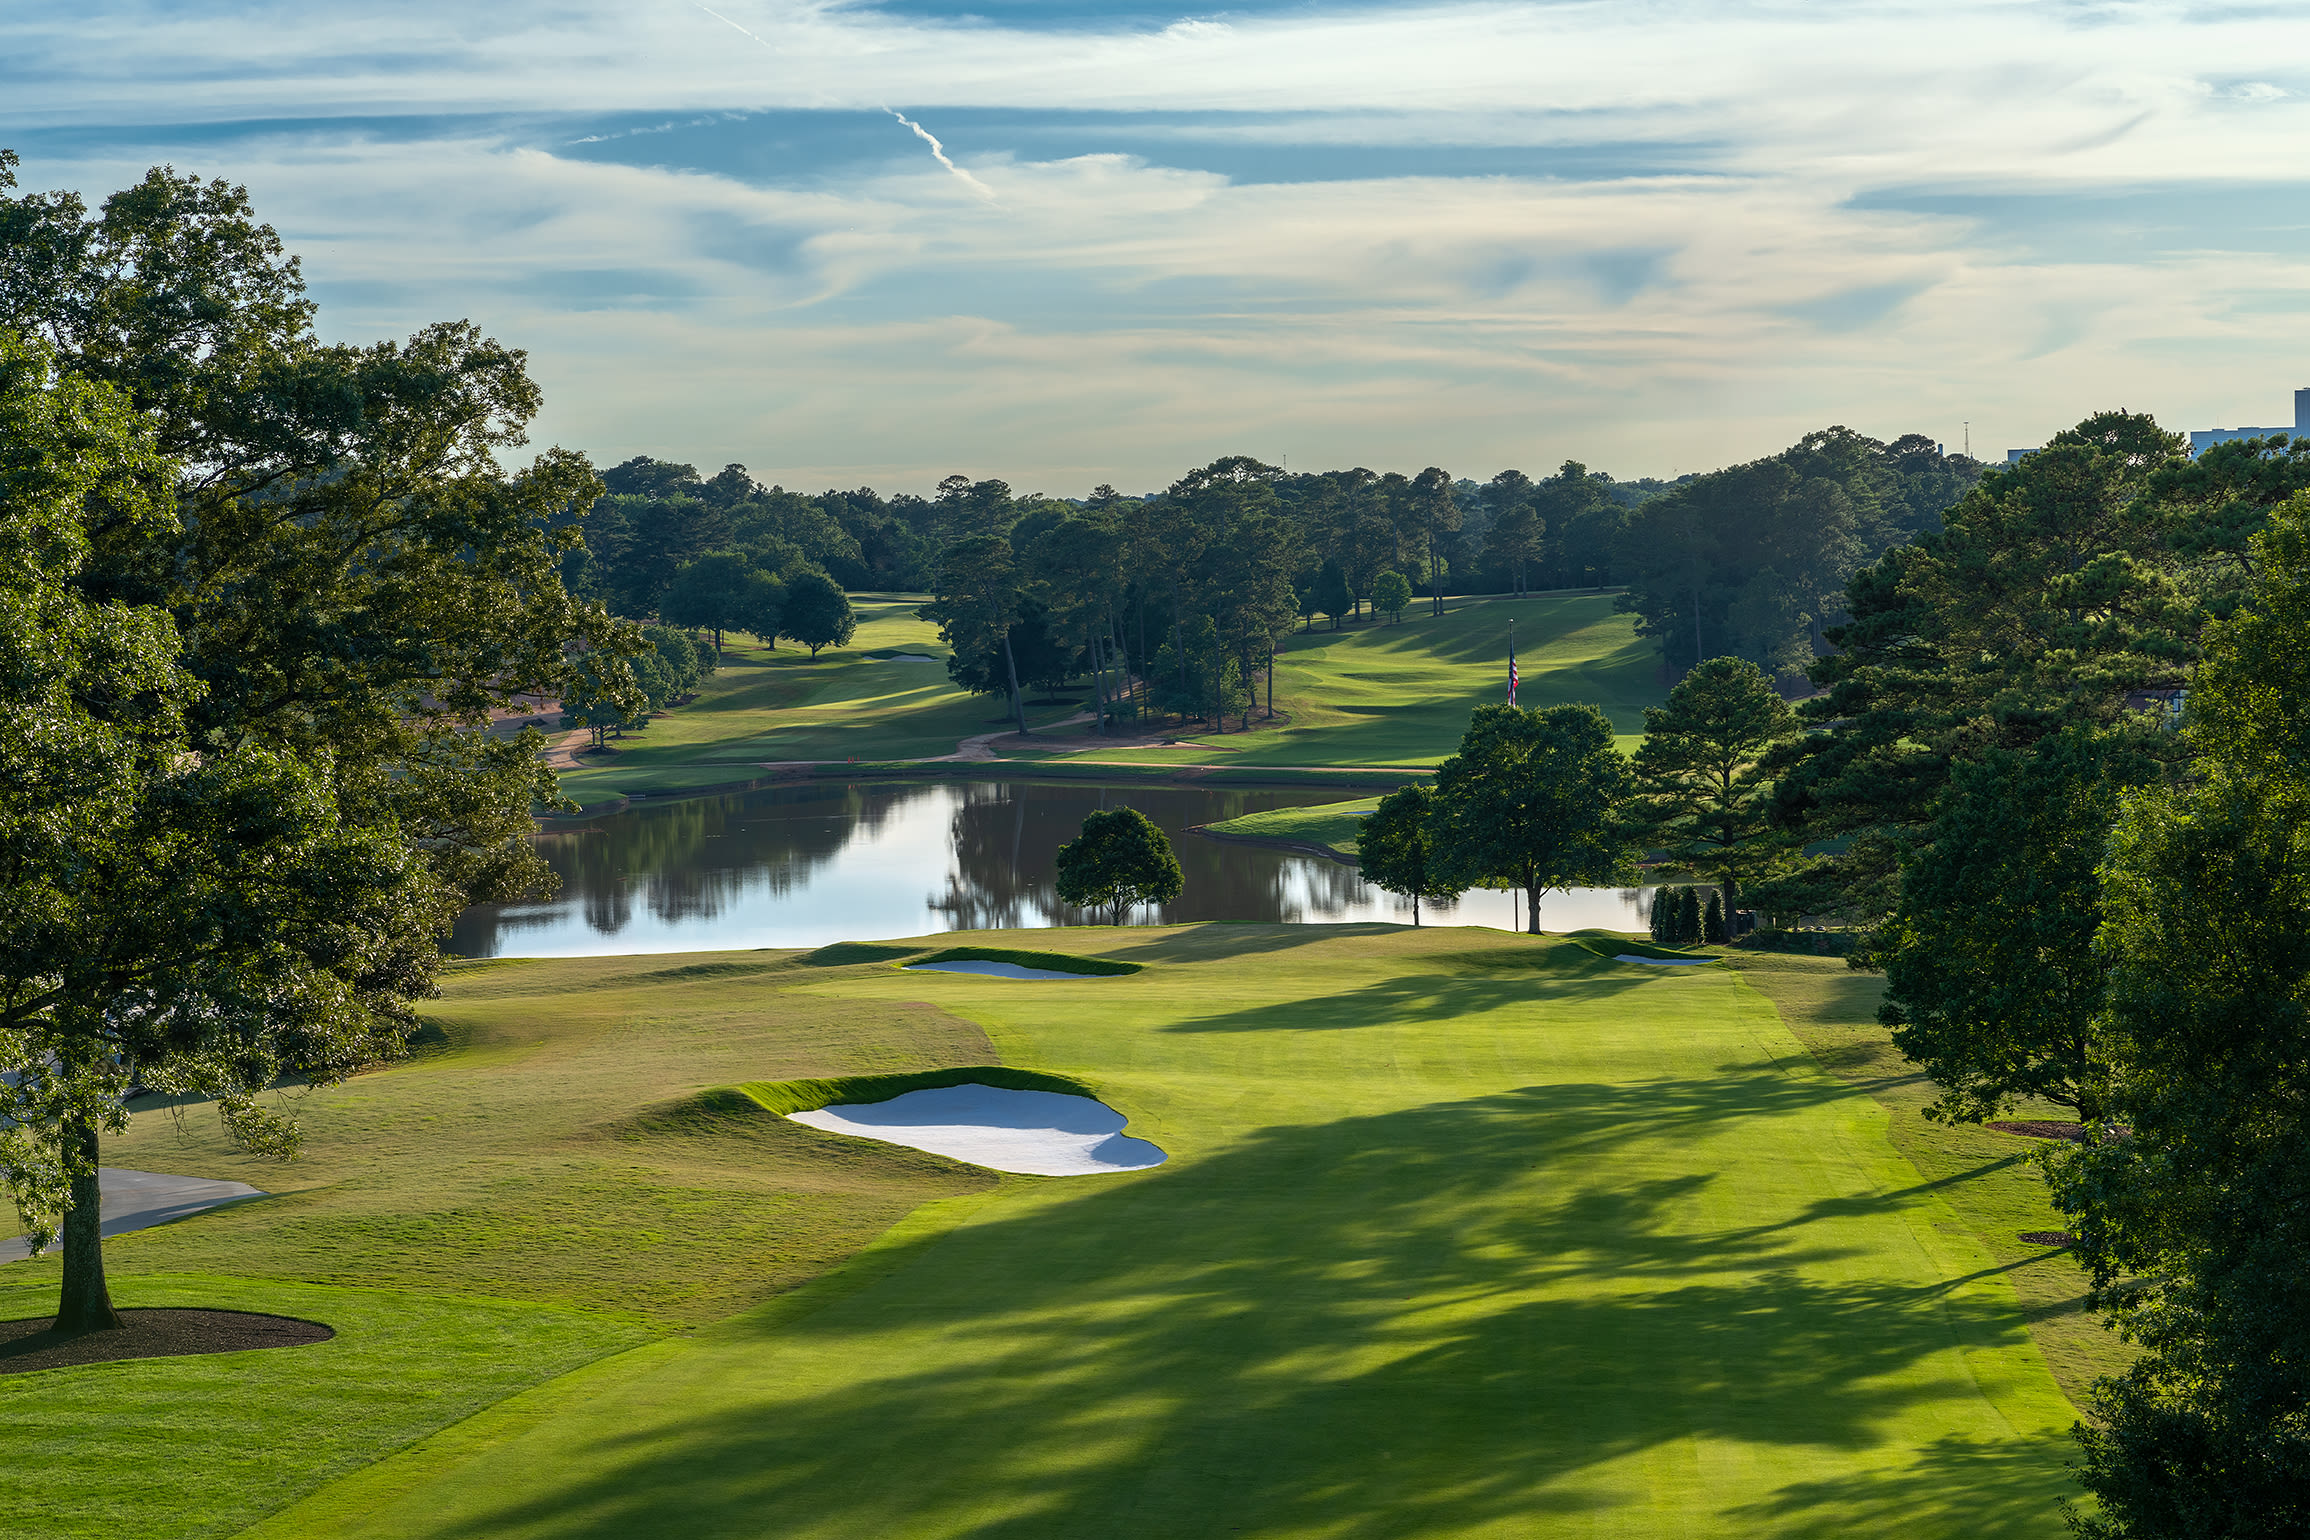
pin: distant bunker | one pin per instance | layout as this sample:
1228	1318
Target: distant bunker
1007	963
1033	1133
994	970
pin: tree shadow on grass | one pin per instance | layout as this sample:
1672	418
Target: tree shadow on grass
1410	998
1558	1301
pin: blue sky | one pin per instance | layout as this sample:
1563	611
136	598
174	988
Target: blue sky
1653	236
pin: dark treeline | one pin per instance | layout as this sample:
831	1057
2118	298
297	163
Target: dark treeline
1172	603
2059	764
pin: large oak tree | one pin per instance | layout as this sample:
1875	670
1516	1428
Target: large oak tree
337	583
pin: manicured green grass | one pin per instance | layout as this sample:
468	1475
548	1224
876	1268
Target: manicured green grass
1373	695
162	1448
765	707
1463	1234
1400	694
1331	826
1056	962
549	1148
1990	1178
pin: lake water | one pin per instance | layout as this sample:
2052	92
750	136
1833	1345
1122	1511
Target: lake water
800	866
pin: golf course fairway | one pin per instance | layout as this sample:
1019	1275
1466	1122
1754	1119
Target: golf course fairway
1463	1233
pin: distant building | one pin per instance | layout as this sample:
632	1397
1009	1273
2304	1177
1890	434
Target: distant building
2202	439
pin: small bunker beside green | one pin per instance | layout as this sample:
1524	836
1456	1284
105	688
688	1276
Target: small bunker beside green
1003	963
989	1115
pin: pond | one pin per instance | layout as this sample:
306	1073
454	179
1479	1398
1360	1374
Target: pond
799	866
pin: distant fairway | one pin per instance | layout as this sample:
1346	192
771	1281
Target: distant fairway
1463	1234
1381	694
765	706
1369	695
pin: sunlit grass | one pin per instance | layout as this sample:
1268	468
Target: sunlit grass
1462	1234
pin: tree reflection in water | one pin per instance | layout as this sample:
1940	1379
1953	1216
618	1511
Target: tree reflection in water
804	865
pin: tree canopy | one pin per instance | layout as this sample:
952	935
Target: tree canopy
1394	848
2185	1200
1118	861
1534	799
322	580
1702	794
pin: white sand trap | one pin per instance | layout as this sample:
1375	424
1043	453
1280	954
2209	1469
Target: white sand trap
908	657
138	1200
1664	962
998	970
1035	1133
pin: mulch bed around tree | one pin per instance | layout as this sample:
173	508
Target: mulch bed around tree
29	1345
2049	1237
2068	1131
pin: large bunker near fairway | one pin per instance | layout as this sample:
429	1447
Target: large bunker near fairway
1033	1133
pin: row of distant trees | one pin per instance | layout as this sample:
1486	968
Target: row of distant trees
1750	561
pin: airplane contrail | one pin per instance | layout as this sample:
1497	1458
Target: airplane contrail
727	22
938	153
937	150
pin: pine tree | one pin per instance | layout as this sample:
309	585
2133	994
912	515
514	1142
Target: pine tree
1687	915
1663	915
1712	923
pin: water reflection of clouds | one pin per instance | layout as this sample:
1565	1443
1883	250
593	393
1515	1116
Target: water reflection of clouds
802	866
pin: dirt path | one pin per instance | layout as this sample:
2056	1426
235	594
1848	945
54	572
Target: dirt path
980	747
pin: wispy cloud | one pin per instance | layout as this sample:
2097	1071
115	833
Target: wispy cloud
1651	237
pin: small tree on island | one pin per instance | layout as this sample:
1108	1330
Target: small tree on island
1533	800
1391	591
1393	849
1119	860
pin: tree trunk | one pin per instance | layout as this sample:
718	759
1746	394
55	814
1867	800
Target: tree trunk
1018	705
1271	681
1218	681
1532	910
1098	651
1415	909
84	1304
1730	887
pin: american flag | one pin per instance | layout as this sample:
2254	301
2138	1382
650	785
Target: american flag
1511	673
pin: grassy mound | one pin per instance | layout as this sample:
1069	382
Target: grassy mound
1610	944
1328	826
785	1096
843	954
1056	962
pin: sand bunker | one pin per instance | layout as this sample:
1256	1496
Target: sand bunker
1662	962
138	1200
996	970
1036	1133
908	657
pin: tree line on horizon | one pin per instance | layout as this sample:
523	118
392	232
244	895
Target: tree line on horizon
1173	602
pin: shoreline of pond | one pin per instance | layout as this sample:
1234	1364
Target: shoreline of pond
1231	777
